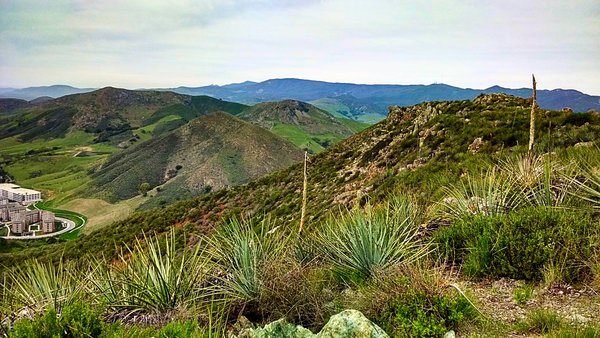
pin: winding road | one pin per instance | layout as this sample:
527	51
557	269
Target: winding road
70	227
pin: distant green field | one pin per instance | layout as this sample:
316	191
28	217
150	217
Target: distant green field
53	166
340	110
302	139
12	146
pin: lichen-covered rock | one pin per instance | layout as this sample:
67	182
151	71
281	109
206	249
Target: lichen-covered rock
351	324
277	329
346	324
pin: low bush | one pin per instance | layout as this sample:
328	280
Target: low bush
412	300
36	286
418	314
523	294
75	320
520	244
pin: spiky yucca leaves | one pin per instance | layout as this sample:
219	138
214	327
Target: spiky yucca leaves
153	276
358	243
241	250
37	286
588	185
491	194
539	180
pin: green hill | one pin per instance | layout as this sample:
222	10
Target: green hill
109	114
419	149
53	146
303	124
210	152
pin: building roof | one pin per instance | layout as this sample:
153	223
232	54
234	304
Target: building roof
17	189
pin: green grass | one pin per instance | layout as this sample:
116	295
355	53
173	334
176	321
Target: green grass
59	177
12	146
303	139
354	125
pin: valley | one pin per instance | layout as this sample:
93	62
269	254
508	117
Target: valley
98	148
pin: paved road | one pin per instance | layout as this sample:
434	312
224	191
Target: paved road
70	226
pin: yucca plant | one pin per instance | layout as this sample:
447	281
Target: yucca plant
539	180
588	185
357	243
491	194
240	251
153	276
36	286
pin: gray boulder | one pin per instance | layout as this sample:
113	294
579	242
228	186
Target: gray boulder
279	329
346	324
351	324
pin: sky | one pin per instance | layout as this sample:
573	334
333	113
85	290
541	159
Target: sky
152	44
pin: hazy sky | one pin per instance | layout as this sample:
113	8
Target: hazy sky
145	43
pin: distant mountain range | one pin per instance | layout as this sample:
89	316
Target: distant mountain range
361	102
31	93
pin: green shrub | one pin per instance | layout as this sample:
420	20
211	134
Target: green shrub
523	294
491	194
418	314
521	243
76	320
38	286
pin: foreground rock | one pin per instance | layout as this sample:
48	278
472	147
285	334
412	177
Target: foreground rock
346	324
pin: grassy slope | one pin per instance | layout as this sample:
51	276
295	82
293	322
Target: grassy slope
367	166
306	126
44	158
216	150
338	109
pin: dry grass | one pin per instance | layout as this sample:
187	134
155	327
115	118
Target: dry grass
101	213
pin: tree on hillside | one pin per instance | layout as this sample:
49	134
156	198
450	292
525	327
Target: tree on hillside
144	188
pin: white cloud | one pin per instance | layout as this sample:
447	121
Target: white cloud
154	43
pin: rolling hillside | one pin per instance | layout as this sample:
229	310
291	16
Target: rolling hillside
210	152
53	145
418	150
303	124
110	114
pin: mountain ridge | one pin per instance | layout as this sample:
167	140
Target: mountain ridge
366	102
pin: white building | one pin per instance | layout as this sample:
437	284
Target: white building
15	193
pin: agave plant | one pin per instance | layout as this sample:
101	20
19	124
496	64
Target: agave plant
36	286
357	243
241	250
153	276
